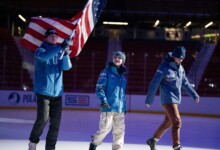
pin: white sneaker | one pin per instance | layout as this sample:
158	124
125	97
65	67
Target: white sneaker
32	146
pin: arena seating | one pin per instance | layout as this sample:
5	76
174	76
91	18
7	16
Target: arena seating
210	84
87	66
12	75
81	78
144	58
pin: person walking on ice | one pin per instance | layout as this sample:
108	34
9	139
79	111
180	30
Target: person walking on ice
170	77
110	90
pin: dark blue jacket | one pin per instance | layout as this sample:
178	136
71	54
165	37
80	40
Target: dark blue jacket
170	78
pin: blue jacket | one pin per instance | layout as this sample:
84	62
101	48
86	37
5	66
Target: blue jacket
170	78
49	70
111	87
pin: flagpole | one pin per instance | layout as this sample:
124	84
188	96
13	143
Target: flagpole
63	51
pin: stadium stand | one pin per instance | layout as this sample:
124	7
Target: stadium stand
210	84
12	76
145	56
87	66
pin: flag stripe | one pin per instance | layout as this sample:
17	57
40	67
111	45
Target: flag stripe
26	41
50	23
55	22
90	18
86	20
82	23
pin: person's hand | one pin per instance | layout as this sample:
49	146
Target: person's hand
67	51
105	105
147	105
65	44
197	100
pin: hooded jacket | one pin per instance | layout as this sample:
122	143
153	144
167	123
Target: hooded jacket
49	70
170	78
111	87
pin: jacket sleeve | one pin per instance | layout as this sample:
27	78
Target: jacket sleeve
66	63
100	87
45	55
188	87
154	85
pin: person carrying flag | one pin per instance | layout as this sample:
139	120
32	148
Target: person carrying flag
48	87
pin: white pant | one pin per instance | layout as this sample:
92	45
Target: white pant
109	120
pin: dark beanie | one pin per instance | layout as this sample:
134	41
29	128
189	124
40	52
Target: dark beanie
50	31
179	52
120	54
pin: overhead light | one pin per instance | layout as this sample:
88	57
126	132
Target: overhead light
156	23
209	24
189	23
22	18
195	36
115	23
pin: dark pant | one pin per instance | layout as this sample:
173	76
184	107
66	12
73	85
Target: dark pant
47	107
172	119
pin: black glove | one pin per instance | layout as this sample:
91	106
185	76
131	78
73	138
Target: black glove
65	44
65	53
105	105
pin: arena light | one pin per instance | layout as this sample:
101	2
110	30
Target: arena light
156	23
188	23
115	23
209	24
19	30
22	18
205	35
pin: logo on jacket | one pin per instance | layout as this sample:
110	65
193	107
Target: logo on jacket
171	74
14	98
113	76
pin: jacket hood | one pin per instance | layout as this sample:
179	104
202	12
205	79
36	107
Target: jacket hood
122	68
170	61
168	58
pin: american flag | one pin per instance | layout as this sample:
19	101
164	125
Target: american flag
77	100
82	23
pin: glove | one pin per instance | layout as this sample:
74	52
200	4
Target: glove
65	44
105	105
67	51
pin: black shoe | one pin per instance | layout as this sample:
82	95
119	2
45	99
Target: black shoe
92	146
152	143
178	147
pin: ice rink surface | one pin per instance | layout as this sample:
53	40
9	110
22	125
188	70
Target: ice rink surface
198	133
